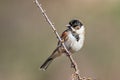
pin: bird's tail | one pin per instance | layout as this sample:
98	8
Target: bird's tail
50	59
46	64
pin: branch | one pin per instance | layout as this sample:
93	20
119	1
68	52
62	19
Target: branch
74	65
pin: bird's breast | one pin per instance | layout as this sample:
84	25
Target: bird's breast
73	44
77	45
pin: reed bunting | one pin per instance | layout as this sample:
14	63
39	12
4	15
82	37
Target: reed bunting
73	38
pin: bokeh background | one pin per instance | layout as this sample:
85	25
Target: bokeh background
26	40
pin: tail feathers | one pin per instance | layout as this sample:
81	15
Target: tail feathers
46	64
50	59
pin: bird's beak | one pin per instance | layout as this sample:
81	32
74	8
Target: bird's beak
67	25
70	27
73	29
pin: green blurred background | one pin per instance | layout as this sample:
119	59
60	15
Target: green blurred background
26	40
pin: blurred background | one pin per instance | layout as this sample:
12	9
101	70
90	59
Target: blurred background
26	40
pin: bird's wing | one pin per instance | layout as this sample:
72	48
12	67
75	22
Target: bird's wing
64	37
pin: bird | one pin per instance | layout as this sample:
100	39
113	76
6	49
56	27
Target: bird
73	38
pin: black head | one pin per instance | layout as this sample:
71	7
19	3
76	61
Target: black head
75	23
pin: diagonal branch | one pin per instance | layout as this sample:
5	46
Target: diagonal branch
74	64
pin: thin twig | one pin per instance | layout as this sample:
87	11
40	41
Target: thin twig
74	65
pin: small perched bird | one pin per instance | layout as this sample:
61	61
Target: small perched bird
73	38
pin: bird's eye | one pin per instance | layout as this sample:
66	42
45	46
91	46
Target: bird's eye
77	27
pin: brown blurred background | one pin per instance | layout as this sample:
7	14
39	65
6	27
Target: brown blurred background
26	40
